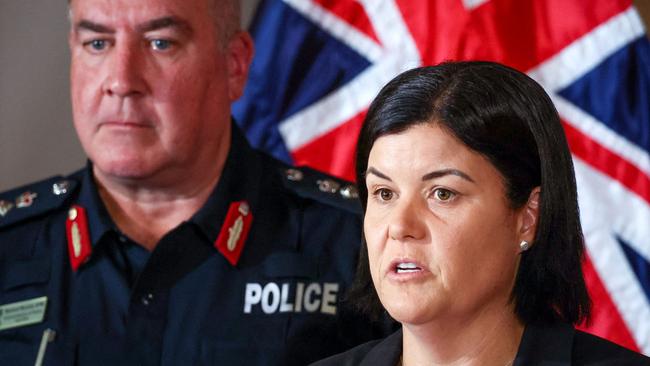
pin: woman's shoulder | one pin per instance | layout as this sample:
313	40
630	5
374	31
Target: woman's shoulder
379	352
353	356
589	349
562	344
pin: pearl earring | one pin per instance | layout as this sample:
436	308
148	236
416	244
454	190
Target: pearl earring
524	245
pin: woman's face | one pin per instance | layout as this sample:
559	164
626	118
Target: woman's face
442	240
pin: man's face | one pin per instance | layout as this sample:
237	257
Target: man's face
152	84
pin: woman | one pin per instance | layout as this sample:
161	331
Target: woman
472	236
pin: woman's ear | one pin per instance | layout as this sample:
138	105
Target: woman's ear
529	217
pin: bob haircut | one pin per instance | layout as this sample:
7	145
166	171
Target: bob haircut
506	117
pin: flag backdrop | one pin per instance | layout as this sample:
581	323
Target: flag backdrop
319	63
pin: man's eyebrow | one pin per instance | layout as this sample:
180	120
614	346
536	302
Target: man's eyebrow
152	25
443	172
165	22
93	27
376	172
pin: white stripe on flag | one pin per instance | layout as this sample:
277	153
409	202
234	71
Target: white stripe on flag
602	134
585	53
473	4
605	208
338	28
346	102
339	107
394	34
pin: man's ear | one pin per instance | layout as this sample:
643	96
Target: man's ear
240	51
529	217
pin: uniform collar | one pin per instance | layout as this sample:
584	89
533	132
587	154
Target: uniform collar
239	181
99	221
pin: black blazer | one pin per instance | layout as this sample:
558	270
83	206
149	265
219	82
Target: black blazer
557	345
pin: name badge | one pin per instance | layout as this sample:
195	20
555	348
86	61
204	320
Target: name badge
22	313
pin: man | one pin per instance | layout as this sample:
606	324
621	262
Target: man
178	244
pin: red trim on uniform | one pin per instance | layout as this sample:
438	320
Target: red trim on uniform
79	247
235	228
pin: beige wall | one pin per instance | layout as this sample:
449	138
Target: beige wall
36	136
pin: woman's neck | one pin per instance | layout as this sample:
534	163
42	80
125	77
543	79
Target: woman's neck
487	338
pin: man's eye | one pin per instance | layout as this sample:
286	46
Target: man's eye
160	44
97	44
442	194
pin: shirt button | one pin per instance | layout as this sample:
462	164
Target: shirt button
122	238
147	299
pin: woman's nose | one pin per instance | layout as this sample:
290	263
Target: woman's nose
406	222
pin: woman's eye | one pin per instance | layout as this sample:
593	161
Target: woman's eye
160	44
384	194
442	194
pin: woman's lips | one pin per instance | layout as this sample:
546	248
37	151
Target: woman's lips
405	269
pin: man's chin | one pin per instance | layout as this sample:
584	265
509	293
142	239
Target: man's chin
124	170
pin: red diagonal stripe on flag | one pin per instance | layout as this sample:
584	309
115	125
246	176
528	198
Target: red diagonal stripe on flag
605	320
446	30
353	13
334	151
608	162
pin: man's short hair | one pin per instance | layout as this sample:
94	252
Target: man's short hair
227	17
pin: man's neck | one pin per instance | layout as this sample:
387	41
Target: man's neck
145	211
147	217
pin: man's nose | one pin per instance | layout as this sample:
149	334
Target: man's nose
406	221
124	76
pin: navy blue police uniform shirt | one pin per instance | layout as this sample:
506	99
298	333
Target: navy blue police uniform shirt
184	303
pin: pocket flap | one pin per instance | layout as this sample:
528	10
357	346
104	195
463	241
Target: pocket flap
26	272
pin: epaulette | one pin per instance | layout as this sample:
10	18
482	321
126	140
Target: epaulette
313	184
34	199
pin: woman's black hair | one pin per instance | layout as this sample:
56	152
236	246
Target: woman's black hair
506	117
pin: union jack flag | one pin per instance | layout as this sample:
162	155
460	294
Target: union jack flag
319	63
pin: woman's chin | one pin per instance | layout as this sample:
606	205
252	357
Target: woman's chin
410	311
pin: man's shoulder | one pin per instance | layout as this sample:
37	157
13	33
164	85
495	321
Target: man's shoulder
34	200
589	349
317	187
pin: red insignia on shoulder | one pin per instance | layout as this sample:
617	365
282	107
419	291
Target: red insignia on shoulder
234	231
76	227
26	199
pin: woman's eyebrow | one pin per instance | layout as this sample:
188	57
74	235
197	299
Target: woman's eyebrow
376	172
443	172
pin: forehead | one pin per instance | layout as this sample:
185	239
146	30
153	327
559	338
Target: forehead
424	148
125	13
419	144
